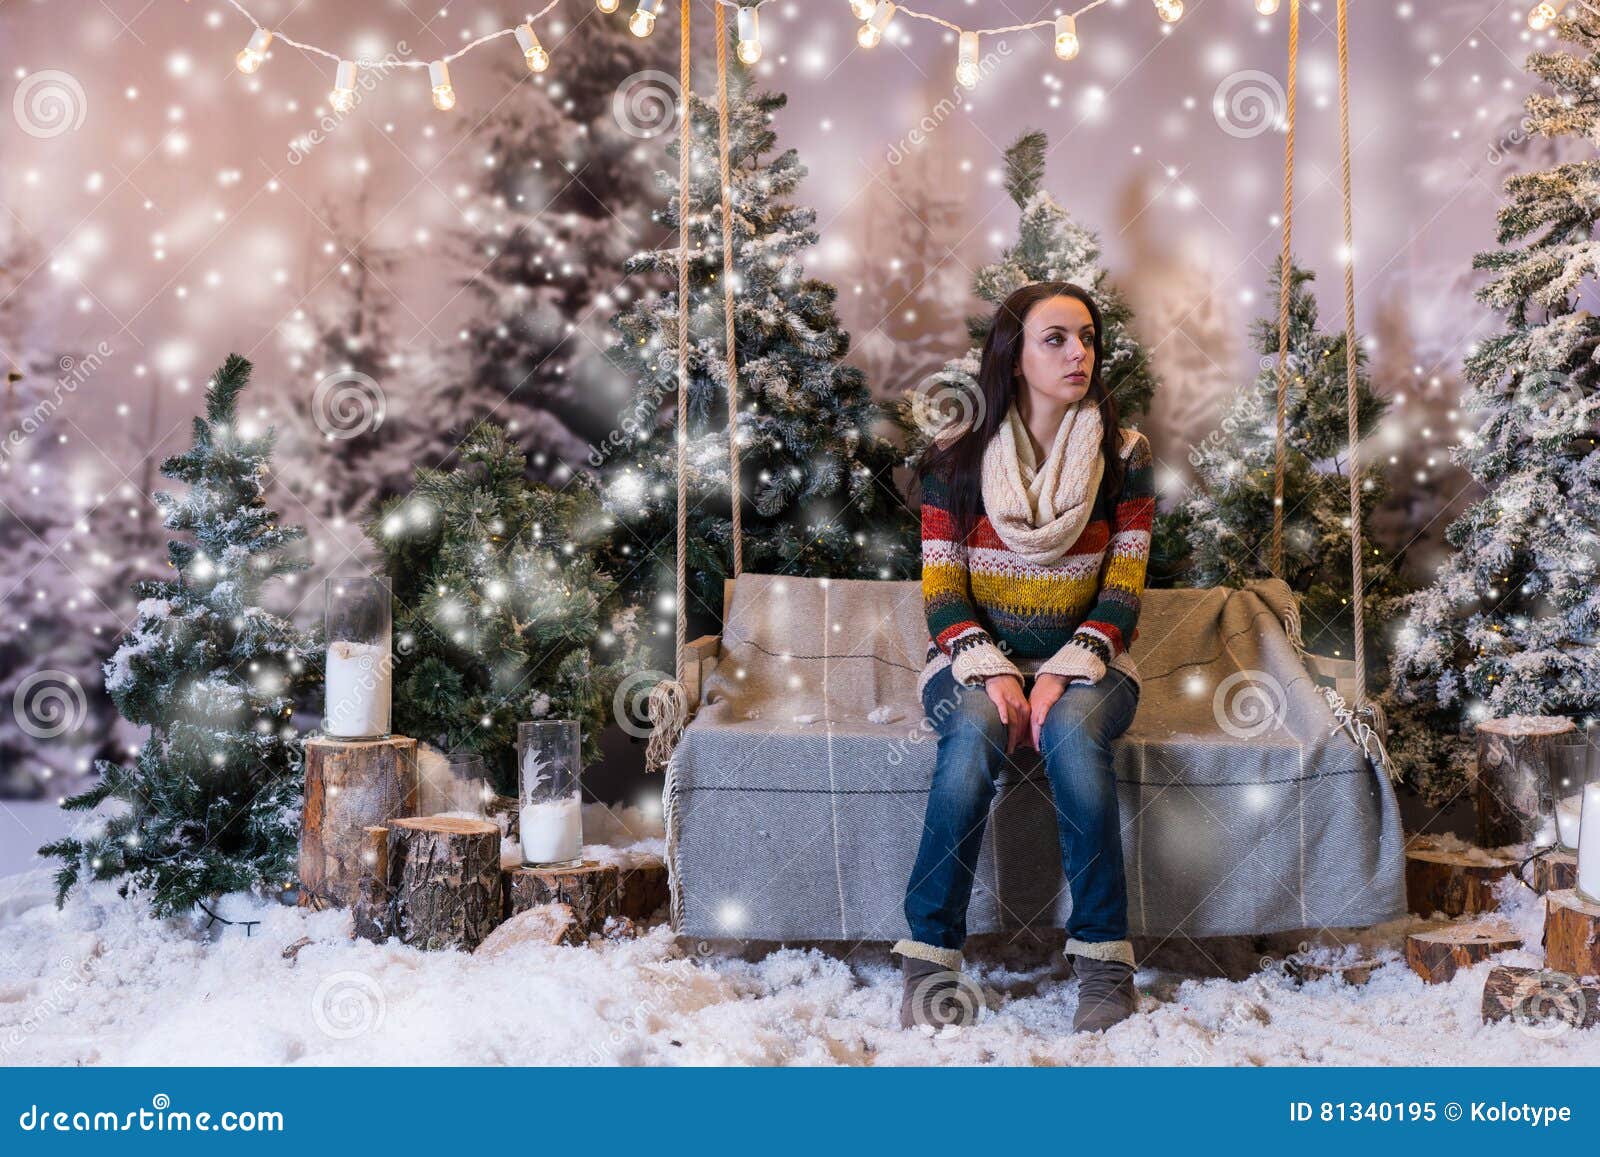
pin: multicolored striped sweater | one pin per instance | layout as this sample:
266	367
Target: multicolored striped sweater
992	612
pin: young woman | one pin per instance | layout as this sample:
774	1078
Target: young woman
1036	521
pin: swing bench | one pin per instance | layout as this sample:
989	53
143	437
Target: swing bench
1252	783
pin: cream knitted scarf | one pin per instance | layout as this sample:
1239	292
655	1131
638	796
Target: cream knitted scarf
1040	510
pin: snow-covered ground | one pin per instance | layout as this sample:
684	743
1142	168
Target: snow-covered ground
101	983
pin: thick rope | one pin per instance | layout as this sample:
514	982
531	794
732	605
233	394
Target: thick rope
735	488
1283	297
669	699
1357	587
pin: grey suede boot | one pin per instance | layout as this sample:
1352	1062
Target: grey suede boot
1106	994
935	996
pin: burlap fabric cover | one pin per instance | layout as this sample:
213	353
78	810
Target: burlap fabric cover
795	797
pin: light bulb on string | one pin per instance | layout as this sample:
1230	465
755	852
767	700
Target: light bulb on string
1542	15
863	8
1067	37
607	6
343	96
643	21
871	33
967	73
1266	7
749	34
254	51
444	96
533	53
1170	11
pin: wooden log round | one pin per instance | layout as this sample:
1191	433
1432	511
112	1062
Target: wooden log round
1553	871
590	889
1353	972
349	788
642	888
1512	790
1549	1000
546	924
444	881
1437	954
1455	883
370	913
1572	933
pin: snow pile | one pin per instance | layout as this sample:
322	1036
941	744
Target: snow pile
101	983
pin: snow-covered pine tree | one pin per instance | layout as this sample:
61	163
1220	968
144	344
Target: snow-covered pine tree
560	202
1229	516
816	475
1050	246
211	801
1512	621
502	612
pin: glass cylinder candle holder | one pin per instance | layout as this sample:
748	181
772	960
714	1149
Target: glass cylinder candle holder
360	666
1573	767
468	788
550	806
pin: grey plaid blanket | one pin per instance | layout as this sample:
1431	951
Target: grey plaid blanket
795	797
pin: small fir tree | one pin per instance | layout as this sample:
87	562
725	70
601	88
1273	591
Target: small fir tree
211	802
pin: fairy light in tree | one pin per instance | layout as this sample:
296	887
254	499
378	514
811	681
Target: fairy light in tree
749	35
1542	15
343	96
1266	7
1067	37
254	51
607	6
872	31
967	60
444	96
534	54
1169	10
643	21
863	8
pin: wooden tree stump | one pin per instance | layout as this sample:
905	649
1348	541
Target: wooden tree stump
349	788
1456	883
1538	996
1554	871
547	924
1438	953
589	889
1512	791
444	881
1572	934
371	909
642	888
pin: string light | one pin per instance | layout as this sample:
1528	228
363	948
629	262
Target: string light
254	52
1169	10
533	53
863	8
343	96
1266	7
444	96
872	31
967	73
644	18
1542	15
1067	37
607	6
749	35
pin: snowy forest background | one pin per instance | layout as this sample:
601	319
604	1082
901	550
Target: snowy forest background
189	211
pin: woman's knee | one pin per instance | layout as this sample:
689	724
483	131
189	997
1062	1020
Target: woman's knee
1084	719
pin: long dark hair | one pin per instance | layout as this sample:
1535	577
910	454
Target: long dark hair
959	463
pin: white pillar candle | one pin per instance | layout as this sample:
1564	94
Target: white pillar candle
1567	811
1589	845
552	831
358	684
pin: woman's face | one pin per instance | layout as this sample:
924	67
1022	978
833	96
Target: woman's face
1057	349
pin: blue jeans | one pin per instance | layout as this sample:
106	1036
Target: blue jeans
1076	746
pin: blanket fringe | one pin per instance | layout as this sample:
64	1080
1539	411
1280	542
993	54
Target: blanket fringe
668	708
1368	732
669	817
